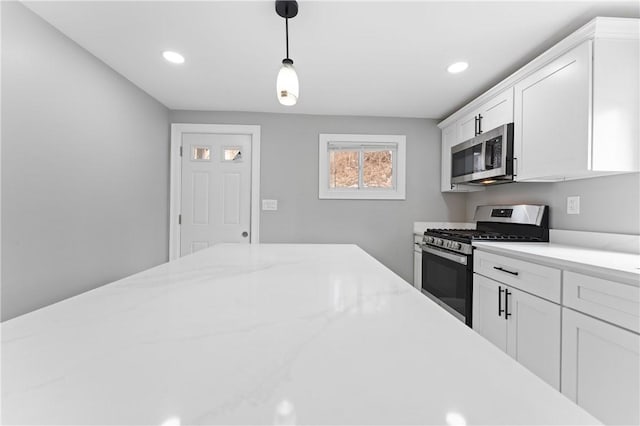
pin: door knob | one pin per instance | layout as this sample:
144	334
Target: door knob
245	234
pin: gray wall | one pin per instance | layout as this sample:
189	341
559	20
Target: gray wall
607	204
84	169
289	174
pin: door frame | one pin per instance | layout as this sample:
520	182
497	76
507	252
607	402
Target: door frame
175	196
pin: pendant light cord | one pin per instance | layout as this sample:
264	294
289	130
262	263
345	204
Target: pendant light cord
286	23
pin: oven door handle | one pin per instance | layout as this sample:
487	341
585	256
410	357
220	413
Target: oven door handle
461	259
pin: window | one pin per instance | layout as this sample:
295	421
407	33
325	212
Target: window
362	166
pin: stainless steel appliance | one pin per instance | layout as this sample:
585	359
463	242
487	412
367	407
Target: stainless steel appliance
485	159
447	254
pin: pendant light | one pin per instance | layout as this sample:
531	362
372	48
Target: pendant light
287	83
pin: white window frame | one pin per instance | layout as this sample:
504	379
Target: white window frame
358	141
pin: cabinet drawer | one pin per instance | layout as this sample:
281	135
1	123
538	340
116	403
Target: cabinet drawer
530	277
609	300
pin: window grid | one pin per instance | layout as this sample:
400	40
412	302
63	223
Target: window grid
362	165
378	176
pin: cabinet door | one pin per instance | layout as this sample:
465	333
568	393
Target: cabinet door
467	126
533	334
497	111
600	368
485	316
552	118
417	269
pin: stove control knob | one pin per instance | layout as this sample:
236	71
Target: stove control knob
439	242
456	246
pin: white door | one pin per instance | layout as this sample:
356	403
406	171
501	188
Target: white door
601	368
215	190
488	310
533	334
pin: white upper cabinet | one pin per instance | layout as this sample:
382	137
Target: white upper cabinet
552	117
575	107
572	120
496	112
467	126
491	114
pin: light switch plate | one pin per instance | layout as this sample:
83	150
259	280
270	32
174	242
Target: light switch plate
573	205
269	204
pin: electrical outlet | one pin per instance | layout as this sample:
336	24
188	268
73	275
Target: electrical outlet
573	205
269	204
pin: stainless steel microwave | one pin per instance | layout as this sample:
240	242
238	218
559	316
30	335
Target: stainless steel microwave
485	159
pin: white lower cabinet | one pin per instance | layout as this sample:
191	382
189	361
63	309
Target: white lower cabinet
601	368
485	313
527	327
417	269
577	332
533	335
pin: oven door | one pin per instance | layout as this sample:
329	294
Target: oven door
447	279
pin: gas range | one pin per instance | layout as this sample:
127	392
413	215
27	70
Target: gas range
516	223
447	254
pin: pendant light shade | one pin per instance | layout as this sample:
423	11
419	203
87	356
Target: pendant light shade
287	84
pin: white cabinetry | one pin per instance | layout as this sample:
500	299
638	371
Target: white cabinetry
491	114
417	261
533	334
601	360
555	111
575	107
524	325
600	368
578	332
488	312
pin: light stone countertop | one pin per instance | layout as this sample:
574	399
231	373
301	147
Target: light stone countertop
264	334
606	264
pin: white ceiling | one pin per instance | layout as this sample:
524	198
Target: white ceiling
353	57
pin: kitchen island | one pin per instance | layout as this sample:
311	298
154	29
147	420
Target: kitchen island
264	334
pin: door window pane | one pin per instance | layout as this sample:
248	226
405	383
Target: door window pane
201	153
343	169
378	169
232	154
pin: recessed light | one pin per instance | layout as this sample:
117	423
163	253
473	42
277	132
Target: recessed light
173	57
457	67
